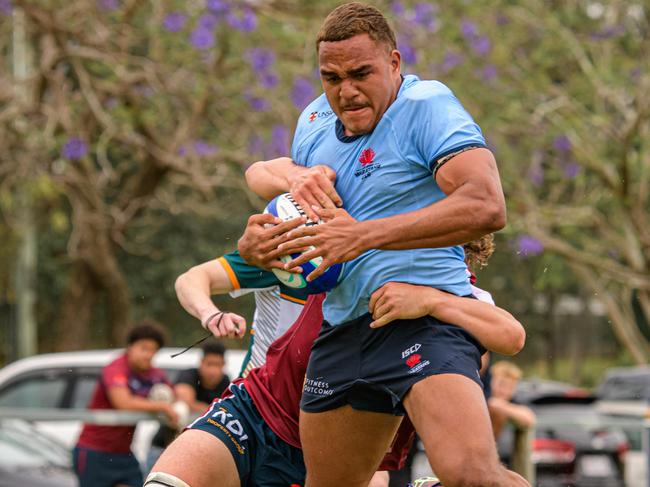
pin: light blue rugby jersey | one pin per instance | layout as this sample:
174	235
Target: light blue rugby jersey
386	173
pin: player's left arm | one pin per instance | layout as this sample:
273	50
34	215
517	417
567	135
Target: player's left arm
194	288
503	411
494	327
473	207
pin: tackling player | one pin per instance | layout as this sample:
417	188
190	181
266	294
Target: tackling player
251	437
276	305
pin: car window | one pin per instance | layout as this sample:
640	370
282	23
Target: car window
34	392
626	388
83	390
24	447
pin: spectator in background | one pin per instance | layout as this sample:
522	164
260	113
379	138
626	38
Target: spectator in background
196	387
505	377
102	456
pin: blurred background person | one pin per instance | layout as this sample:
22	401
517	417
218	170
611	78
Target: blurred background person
102	456
197	387
505	377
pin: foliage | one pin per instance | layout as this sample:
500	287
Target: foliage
138	117
560	94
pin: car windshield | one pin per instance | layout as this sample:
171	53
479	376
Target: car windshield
575	417
626	388
23	447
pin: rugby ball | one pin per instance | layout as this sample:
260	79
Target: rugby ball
286	208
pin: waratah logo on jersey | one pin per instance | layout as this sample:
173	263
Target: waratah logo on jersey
314	115
368	164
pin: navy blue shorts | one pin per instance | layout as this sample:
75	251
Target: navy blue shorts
373	369
263	459
96	468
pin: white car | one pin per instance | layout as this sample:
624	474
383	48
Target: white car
65	381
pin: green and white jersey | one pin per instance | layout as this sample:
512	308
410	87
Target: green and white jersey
276	306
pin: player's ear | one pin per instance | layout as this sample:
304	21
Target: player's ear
396	60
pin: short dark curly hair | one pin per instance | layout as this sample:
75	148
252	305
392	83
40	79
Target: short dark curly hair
354	18
213	348
147	330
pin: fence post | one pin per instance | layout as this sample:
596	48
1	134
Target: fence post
645	447
522	462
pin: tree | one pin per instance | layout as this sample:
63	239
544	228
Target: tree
146	109
138	106
560	91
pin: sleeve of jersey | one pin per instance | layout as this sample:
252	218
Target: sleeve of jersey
444	128
242	275
296	146
114	376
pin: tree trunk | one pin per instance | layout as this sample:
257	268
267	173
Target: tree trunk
98	252
75	314
621	316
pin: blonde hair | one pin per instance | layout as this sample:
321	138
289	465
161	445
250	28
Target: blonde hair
506	369
477	252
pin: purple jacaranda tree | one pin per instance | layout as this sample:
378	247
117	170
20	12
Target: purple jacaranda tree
219	6
202	38
562	94
74	149
302	92
108	5
6	7
175	21
140	83
450	61
528	246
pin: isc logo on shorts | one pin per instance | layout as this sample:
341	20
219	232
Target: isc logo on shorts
411	350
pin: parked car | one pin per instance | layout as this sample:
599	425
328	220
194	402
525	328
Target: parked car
576	446
67	380
30	459
531	389
625	391
624	398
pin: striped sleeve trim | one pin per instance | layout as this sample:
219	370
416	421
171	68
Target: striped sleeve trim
292	299
231	274
444	158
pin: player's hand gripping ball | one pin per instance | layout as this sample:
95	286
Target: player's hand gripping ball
286	208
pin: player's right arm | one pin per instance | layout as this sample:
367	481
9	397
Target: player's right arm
309	186
194	288
121	397
496	329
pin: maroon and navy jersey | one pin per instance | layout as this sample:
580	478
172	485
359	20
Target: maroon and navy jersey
117	439
276	387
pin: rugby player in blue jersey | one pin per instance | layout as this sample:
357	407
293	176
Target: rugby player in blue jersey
413	172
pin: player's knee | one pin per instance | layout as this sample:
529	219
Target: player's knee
162	479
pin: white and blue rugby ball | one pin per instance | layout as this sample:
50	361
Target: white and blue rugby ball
286	208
